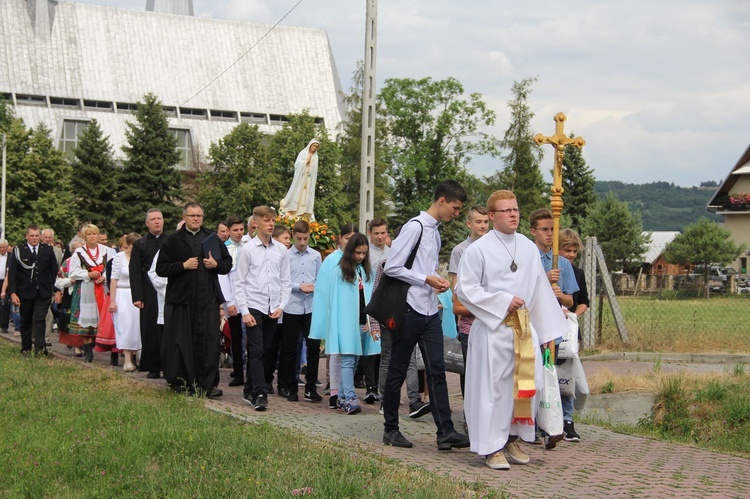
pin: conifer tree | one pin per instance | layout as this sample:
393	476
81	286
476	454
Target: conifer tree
149	177
521	172
578	182
93	182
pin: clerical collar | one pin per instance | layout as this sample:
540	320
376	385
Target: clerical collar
193	232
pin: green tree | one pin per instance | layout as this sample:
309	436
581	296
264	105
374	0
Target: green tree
521	172
432	129
284	145
149	178
240	176
38	183
350	145
6	115
578	183
703	243
93	185
618	231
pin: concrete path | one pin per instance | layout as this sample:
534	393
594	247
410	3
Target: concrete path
603	464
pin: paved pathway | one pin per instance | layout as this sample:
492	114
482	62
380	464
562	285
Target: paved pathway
603	464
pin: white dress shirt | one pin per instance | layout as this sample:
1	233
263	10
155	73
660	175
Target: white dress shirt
303	268
263	281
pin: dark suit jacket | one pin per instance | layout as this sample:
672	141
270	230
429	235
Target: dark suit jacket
141	257
174	252
41	283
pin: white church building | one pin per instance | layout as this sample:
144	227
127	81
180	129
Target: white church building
65	63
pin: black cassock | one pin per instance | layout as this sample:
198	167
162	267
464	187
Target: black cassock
141	258
190	345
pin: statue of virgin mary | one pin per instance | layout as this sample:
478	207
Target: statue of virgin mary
300	199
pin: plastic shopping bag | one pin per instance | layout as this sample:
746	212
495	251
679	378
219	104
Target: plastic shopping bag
582	386
568	348
549	416
566	377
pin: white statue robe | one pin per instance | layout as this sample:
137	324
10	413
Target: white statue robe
300	199
486	286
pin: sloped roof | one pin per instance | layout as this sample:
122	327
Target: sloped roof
111	54
659	241
722	192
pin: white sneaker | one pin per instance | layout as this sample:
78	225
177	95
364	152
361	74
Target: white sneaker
515	454
496	461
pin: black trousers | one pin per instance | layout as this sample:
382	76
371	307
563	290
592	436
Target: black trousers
33	317
259	337
235	329
293	326
4	310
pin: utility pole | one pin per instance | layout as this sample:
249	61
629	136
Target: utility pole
367	169
2	195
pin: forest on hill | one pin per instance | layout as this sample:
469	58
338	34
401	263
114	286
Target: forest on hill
663	205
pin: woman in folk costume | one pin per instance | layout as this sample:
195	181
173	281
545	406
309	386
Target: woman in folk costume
321	322
126	316
65	284
300	198
87	267
349	290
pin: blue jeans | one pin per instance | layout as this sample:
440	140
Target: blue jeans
567	407
348	366
427	331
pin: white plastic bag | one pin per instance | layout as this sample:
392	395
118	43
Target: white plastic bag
566	377
582	386
550	416
568	348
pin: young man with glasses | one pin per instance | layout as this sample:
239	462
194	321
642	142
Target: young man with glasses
500	281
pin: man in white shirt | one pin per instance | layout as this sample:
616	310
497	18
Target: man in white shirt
262	291
421	322
234	229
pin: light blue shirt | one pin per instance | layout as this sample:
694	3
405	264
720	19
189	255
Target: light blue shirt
421	297
568	284
303	267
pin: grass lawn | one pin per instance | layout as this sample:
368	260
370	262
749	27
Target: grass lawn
716	325
73	431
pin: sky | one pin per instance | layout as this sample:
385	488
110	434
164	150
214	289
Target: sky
660	90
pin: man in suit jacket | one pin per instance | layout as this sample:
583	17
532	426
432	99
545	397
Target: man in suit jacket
31	278
192	258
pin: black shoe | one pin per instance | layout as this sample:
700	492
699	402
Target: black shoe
269	389
237	382
396	439
113	359
302	371
88	353
550	441
570	432
312	396
453	439
25	353
359	384
418	409
372	396
283	392
260	403
293	396
333	402
153	375
214	393
233	374
300	382
41	351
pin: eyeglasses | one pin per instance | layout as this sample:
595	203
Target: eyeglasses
507	210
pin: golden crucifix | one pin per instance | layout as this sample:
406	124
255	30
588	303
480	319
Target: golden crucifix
559	140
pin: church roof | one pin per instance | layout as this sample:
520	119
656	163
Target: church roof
104	54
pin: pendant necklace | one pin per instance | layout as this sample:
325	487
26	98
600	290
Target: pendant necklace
513	266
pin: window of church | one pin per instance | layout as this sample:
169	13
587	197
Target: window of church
65	102
99	105
257	118
126	107
170	110
223	115
189	112
31	100
184	147
278	119
69	133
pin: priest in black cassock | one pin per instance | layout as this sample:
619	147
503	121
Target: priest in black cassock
144	294
192	258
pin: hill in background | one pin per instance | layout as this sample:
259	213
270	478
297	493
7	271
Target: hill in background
663	205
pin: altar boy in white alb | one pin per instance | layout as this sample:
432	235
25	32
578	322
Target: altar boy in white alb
499	274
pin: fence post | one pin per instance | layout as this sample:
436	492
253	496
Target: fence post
588	331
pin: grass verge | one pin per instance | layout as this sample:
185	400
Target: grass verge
74	431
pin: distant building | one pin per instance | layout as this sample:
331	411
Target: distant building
65	63
732	200
653	259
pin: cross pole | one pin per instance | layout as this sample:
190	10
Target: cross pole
559	140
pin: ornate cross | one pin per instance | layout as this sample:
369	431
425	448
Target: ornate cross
559	140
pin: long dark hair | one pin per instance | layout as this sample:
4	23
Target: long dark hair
349	264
